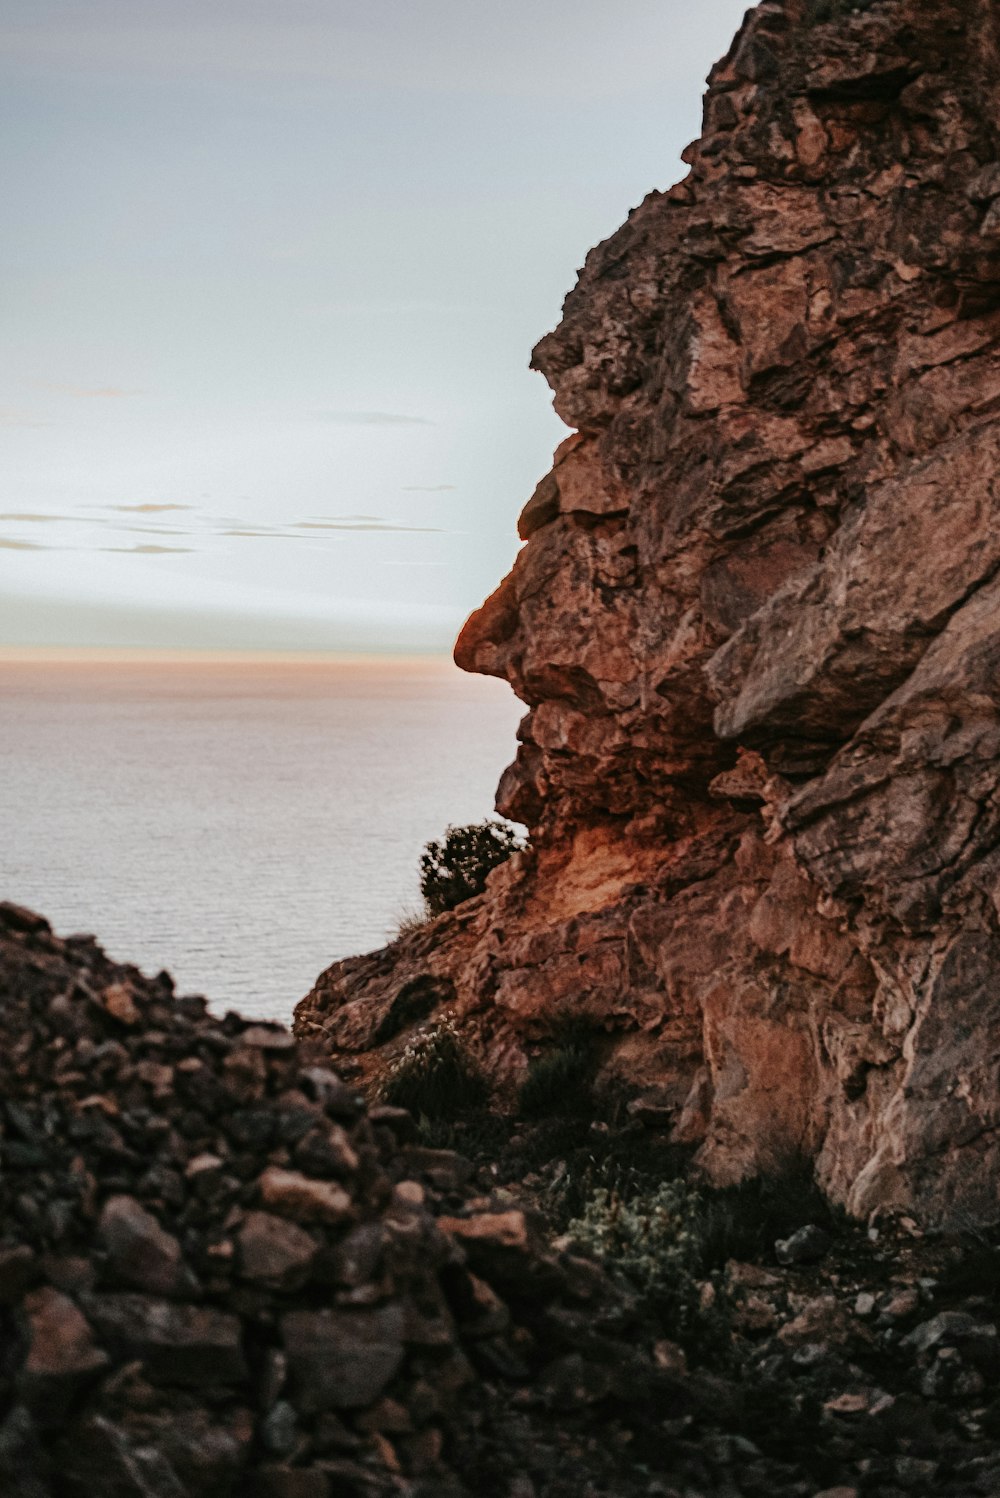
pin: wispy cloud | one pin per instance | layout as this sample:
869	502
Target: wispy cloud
148	551
30	516
372	419
6	544
151	530
267	534
147	509
359	523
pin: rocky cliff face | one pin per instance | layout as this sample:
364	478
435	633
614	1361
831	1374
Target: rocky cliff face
756	625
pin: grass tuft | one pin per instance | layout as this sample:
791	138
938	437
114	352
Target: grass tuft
435	1077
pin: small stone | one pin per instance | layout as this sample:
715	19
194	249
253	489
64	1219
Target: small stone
140	1254
653	1110
292	1194
913	1472
505	1230
326	1151
940	1328
902	1303
280	1432
864	1305
342	1359
985	185
356	1258
193	1346
445	1169
670	1357
62	1354
807	1246
401	1122
408	1194
268	1038
274	1252
204	1171
120	1003
331	1091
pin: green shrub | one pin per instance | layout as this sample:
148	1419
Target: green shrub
455	869
434	1076
650	1245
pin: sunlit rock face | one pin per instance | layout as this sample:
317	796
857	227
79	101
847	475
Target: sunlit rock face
756	623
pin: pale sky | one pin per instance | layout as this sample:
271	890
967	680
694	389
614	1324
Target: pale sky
272	272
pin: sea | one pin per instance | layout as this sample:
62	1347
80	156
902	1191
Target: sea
242	822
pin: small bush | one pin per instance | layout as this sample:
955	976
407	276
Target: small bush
744	1221
561	1080
455	869
649	1244
434	1076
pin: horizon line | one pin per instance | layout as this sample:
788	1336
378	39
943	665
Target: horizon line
213	655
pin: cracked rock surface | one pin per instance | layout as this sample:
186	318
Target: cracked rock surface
755	626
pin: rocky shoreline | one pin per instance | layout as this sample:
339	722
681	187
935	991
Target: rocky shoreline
222	1273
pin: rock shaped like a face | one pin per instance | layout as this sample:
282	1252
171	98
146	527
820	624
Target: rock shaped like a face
773	533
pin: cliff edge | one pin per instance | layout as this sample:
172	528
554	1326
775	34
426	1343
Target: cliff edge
756	626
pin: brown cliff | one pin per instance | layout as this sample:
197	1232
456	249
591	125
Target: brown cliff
756	627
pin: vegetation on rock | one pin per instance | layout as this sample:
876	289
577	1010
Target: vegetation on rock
561	1079
434	1076
456	868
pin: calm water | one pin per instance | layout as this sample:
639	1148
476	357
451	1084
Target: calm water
241	823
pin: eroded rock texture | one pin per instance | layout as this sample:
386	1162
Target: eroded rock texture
756	627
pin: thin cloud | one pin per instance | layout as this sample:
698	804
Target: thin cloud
428	488
148	551
266	534
151	530
368	524
372	419
6	544
27	515
147	509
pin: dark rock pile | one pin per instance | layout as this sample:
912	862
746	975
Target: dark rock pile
214	1262
221	1274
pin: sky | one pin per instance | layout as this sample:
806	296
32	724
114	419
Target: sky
271	276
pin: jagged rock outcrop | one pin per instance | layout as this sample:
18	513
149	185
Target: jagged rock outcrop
756	626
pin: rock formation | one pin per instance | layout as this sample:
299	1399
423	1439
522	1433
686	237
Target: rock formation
757	627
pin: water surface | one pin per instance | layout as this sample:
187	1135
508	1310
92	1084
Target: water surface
240	821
